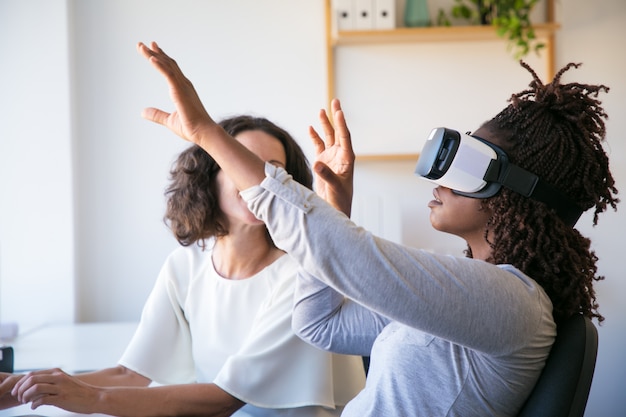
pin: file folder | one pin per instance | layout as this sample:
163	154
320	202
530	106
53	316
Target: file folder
344	12
384	14
364	16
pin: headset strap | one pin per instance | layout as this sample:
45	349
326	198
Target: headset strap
530	185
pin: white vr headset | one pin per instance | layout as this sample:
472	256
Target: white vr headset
472	167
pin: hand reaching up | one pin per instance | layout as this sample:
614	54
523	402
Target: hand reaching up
190	117
191	122
334	164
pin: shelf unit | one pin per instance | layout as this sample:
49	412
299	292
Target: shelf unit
336	39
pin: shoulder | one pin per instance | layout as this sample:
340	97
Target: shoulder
284	265
520	277
281	276
186	261
193	254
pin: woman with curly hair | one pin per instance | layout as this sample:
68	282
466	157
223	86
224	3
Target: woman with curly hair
448	336
555	131
215	333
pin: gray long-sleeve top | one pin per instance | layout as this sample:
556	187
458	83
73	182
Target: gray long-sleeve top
447	336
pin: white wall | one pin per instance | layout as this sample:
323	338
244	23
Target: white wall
36	174
243	56
594	34
82	175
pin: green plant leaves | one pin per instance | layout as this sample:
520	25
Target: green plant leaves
510	18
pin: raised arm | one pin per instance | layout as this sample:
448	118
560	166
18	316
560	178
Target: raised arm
403	284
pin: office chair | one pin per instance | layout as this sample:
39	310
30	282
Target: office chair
563	386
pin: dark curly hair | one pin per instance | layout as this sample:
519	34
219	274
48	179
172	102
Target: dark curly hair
192	211
556	132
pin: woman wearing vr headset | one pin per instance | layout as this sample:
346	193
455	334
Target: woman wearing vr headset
447	336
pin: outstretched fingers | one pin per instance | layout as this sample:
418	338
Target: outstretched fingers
155	115
155	55
328	131
190	119
342	133
318	143
159	59
327	127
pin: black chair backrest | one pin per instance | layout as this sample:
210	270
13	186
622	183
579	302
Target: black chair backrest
563	387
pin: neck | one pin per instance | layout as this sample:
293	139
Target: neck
242	255
480	254
480	248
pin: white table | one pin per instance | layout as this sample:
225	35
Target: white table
43	411
71	347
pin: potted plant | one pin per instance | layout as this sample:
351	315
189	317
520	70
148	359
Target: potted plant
510	18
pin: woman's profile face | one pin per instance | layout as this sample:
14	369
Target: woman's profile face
459	215
266	147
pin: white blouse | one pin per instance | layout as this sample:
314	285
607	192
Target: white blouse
200	327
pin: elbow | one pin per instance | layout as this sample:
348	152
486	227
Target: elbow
316	334
304	330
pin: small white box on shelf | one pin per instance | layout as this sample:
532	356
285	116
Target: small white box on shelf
384	14
345	14
364	15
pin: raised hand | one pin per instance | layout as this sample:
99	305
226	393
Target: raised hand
191	121
190	117
334	164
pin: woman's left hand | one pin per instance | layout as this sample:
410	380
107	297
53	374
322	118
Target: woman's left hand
334	165
190	119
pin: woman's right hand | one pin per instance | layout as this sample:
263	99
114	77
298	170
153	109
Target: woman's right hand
57	388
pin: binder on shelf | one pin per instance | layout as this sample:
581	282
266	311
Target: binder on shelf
364	15
384	14
344	12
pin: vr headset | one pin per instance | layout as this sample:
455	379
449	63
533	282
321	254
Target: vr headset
472	167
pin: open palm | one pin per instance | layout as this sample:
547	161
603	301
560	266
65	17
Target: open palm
190	116
334	164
